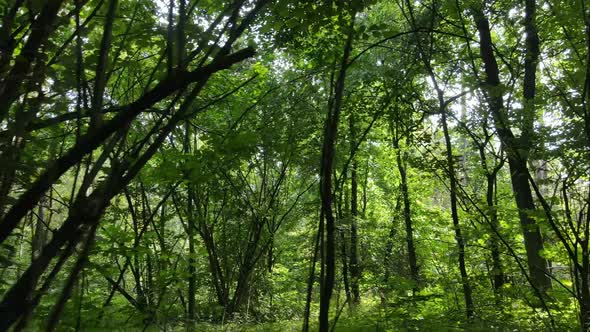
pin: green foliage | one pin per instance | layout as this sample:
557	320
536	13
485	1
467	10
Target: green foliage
216	230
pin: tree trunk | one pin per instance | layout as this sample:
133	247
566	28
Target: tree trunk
390	241
585	305
214	266
326	167
412	260
355	272
469	308
343	253
311	279
190	230
192	272
102	64
516	160
497	269
40	234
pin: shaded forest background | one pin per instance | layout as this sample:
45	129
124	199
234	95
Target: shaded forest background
295	165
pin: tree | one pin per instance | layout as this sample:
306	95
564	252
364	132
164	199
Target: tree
159	161
517	149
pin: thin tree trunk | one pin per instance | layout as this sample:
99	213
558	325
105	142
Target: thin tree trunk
585	273
311	279
390	241
190	229
214	266
497	269
412	260
355	272
469	308
192	272
40	234
343	252
100	79
327	166
442	105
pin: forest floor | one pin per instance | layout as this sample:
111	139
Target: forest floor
369	317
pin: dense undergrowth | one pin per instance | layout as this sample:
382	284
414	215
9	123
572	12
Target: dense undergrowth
420	313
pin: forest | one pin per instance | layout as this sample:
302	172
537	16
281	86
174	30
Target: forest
294	165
